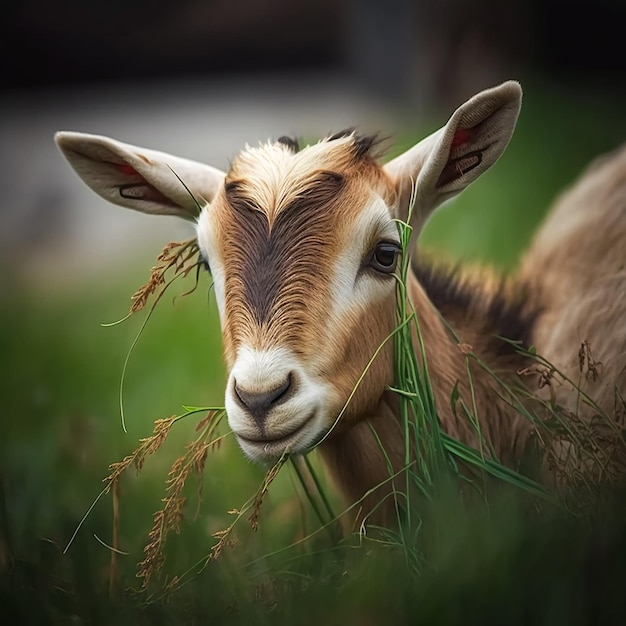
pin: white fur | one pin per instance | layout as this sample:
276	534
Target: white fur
208	244
348	289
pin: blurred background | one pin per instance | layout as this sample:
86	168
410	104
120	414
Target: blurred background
201	79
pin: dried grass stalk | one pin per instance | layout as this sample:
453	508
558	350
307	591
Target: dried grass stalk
182	257
169	517
148	445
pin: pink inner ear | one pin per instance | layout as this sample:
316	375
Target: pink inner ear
126	169
461	136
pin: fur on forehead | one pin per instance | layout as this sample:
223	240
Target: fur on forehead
273	174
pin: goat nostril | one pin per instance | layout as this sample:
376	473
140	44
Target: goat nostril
259	403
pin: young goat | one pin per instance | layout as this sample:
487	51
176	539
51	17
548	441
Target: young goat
302	247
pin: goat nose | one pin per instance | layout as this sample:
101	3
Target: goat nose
259	403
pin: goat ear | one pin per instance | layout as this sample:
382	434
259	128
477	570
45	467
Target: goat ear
140	179
446	162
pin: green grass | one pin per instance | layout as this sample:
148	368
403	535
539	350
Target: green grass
61	429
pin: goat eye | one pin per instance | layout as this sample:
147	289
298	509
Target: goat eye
385	257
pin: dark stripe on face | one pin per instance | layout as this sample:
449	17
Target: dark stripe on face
279	264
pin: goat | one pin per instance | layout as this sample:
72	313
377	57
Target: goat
302	246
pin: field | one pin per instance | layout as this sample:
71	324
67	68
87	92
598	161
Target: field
60	390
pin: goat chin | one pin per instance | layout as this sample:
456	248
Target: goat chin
298	441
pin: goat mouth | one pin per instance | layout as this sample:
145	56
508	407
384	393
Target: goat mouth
272	446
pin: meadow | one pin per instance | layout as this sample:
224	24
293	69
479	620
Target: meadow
60	390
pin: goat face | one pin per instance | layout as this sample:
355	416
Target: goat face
302	247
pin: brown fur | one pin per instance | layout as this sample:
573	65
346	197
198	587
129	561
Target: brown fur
354	456
578	260
571	289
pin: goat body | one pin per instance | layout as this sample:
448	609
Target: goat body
302	247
